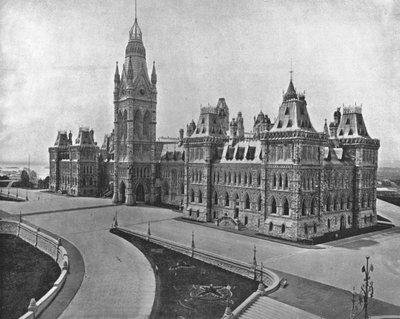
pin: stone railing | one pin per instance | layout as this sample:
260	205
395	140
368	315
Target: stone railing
49	246
269	281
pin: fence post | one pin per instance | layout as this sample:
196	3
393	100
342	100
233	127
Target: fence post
193	246
36	237
33	307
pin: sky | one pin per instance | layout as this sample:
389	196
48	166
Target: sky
57	62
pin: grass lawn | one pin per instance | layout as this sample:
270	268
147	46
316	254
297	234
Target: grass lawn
25	273
183	284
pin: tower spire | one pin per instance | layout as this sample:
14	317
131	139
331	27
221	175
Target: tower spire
291	69
154	74
135	10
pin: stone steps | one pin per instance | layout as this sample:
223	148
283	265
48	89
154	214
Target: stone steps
267	308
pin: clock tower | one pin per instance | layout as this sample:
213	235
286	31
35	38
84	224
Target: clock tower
135	113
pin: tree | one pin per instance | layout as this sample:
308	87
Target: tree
24	181
43	184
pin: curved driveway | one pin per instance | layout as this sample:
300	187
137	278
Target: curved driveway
118	281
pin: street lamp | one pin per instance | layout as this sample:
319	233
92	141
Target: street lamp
367	291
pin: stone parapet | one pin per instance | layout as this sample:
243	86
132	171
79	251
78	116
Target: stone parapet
50	246
269	279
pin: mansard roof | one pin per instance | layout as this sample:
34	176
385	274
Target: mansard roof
242	152
352	124
293	114
209	123
172	152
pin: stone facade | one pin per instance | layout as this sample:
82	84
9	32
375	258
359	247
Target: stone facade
284	178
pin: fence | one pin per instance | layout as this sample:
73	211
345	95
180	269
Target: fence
49	246
270	281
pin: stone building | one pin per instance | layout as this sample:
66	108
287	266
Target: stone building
74	167
284	178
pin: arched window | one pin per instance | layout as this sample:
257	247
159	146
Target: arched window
329	223
192	195
273	206
182	188
246	201
258	179
259	203
342	202
271	226
226	199
234	178
245	178
286	181
137	124
200	197
348	202
305	229
280	181
315	228
363	201
146	124
283	228
124	125
365	219
303	209
246	220
285	207
121	125
335	203
313	206
239	178
225	177
229	178
274	181
368	201
250	179
328	203
215	198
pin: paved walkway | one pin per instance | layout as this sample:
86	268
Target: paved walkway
118	280
118	275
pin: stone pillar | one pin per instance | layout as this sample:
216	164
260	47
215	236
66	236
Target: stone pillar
115	195
357	184
130	198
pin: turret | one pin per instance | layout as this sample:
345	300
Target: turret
190	128
117	82
153	74
240	126
233	128
70	138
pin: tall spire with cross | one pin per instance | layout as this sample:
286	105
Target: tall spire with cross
291	92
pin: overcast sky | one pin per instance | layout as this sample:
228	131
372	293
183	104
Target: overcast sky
57	63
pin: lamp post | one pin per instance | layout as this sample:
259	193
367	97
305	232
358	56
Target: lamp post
367	289
255	263
367	292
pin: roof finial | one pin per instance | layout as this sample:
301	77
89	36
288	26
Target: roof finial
135	10
291	69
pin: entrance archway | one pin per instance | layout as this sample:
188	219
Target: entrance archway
236	206
342	223
140	193
122	195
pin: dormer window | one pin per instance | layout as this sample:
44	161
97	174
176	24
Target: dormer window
348	121
279	124
351	132
287	111
341	133
202	120
289	124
